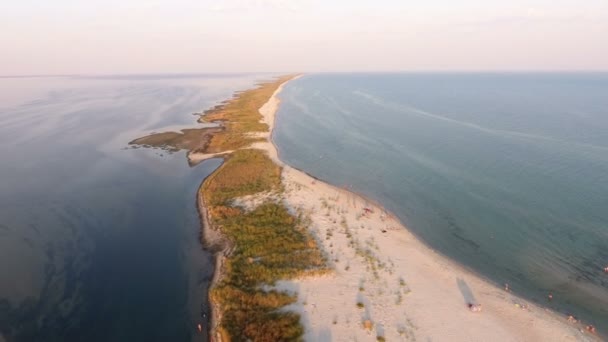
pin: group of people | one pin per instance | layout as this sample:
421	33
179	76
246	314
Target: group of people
571	318
590	328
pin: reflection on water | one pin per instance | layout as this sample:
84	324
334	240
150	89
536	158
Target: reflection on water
99	241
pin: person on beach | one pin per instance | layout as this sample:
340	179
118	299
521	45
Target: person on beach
550	296
606	269
507	287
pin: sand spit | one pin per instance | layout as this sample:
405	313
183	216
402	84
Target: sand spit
388	285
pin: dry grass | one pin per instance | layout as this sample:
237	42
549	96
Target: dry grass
245	172
240	117
188	139
269	243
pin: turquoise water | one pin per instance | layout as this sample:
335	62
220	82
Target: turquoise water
99	241
505	173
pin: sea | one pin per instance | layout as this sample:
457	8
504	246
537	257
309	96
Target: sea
100	241
505	173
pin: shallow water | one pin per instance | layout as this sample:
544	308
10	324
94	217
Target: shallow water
99	241
505	173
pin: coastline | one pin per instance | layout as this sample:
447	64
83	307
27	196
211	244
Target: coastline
280	247
385	282
252	245
215	242
433	307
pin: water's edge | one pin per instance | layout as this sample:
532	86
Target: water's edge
560	311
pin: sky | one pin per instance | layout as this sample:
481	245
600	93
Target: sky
182	36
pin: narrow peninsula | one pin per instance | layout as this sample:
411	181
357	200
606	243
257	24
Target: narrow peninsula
297	258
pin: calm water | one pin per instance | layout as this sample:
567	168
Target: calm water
99	242
505	173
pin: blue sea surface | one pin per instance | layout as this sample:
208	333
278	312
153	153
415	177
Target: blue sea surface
505	173
100	241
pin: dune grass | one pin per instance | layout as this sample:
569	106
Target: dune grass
244	172
240	117
268	242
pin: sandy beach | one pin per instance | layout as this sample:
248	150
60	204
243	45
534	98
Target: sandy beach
387	284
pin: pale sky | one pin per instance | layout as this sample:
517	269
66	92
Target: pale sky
179	36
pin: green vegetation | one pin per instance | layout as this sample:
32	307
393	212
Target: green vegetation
245	172
240	117
188	139
268	242
270	245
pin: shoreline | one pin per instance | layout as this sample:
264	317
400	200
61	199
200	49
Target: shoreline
214	242
297	257
549	323
240	307
385	282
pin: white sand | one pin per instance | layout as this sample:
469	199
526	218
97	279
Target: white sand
414	293
197	157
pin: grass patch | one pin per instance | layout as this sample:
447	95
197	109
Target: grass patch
269	243
240	117
245	172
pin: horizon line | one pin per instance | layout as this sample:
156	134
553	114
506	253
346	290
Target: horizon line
226	73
